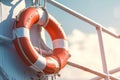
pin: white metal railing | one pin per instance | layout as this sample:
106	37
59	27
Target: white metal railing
101	75
106	75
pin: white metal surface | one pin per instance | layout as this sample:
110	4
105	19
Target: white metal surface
11	66
99	28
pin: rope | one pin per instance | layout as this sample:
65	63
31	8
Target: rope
15	33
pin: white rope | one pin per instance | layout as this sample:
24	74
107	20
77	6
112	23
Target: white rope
32	64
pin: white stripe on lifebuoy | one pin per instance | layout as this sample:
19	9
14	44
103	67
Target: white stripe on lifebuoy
21	32
24	32
40	63
60	43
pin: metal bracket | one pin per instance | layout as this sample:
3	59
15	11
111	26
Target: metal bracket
4	39
37	3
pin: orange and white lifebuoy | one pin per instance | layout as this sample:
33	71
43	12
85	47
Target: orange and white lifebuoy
50	64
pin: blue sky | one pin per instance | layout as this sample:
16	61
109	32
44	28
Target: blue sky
102	11
82	36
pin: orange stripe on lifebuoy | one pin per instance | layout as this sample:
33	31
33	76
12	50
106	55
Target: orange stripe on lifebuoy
20	53
30	16
53	29
29	55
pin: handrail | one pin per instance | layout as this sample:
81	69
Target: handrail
82	17
99	29
115	70
103	75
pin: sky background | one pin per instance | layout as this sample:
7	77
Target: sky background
83	39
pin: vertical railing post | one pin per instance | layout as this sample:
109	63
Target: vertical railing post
104	64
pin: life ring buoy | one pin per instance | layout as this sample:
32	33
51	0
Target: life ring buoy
50	64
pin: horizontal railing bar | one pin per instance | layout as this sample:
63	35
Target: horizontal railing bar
111	72
82	17
103	75
94	24
5	39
